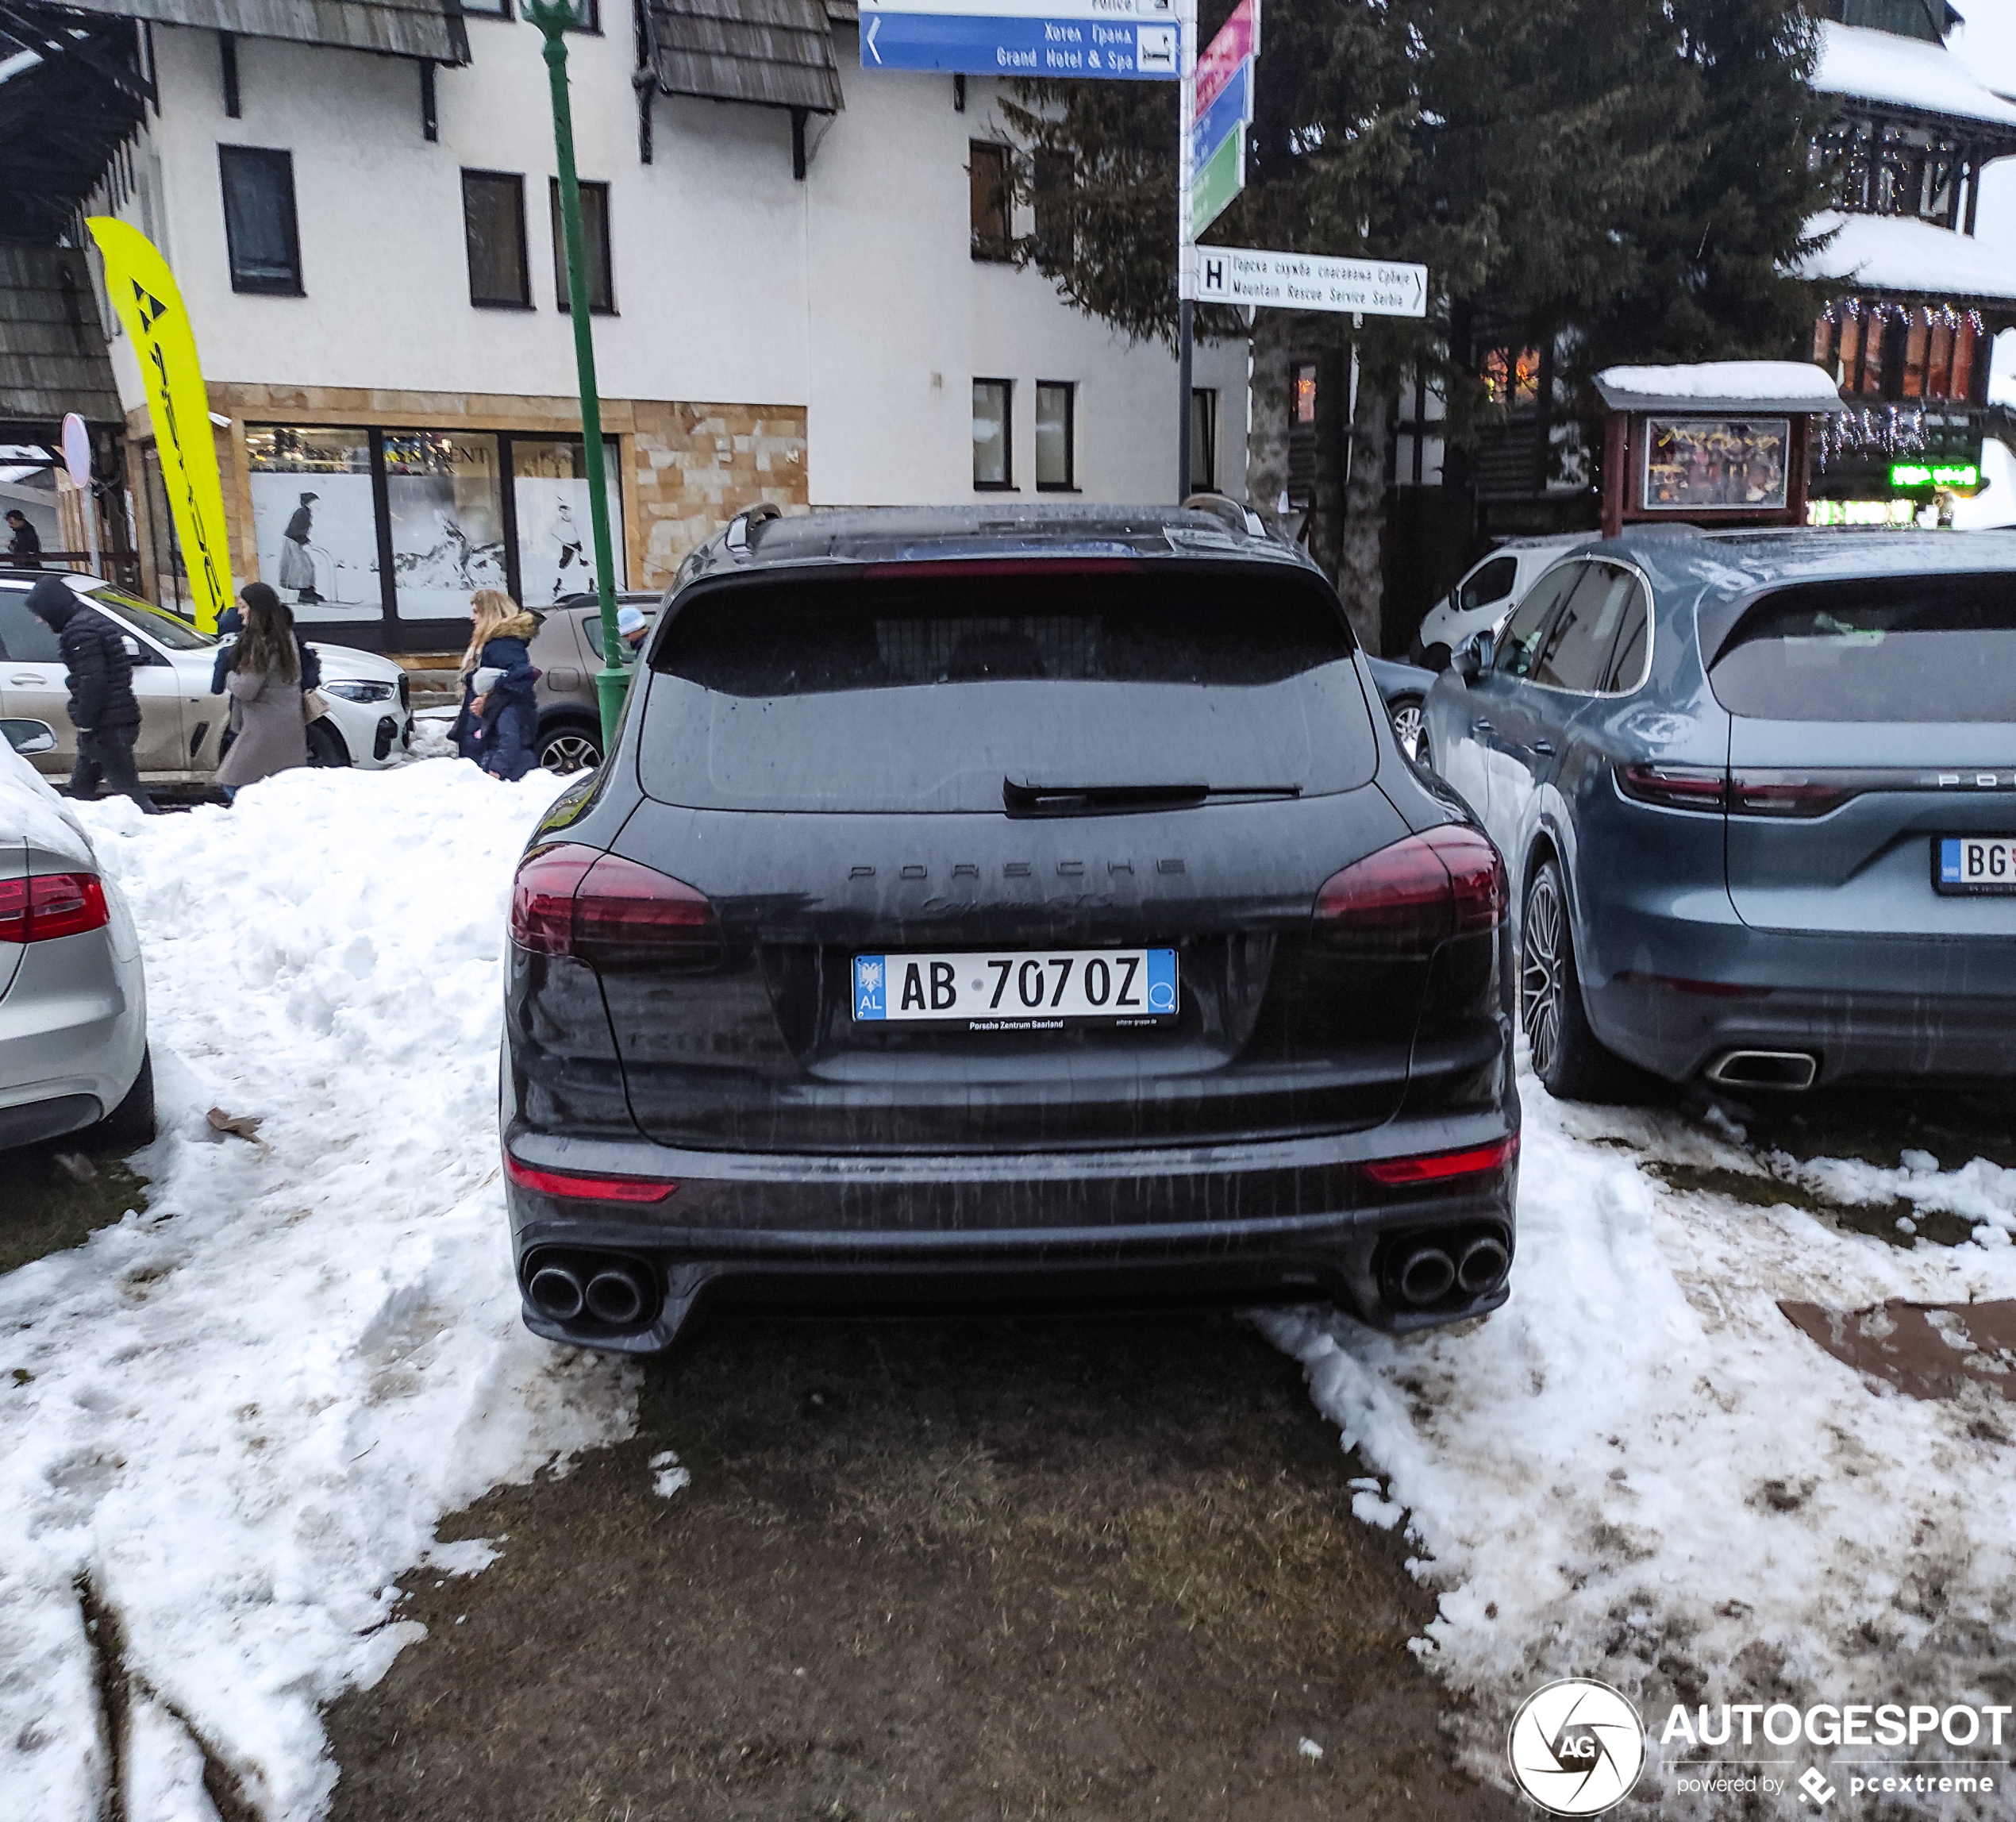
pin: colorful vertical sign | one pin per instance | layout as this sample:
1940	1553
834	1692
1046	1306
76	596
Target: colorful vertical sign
143	291
1221	111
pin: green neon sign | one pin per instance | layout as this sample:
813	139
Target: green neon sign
1926	475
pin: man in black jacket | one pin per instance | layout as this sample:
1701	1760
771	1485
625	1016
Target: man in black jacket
102	707
23	543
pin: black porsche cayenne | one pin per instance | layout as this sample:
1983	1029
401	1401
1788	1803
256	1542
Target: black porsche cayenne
984	906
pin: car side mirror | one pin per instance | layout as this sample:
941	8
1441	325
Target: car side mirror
1473	657
27	737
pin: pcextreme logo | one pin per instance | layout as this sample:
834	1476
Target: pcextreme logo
1576	1746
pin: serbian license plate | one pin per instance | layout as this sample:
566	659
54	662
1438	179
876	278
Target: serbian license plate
1974	863
1022	990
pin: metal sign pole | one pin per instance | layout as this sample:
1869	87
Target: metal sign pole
554	18
1186	309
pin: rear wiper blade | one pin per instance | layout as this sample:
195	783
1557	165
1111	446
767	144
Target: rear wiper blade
1117	800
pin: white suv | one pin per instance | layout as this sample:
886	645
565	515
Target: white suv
369	723
1491	589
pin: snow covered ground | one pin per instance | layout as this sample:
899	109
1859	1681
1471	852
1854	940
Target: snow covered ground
234	1421
231	1425
1640	1471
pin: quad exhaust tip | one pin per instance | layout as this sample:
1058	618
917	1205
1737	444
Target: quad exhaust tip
1427	1275
1483	1266
555	1292
1765	1069
615	1296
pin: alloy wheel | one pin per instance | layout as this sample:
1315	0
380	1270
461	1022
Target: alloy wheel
1540	974
570	752
1407	725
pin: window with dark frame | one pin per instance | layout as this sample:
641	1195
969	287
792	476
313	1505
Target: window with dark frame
1057	436
994	443
261	232
595	247
493	222
1056	175
990	193
1204	438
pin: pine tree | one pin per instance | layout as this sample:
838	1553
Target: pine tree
1632	172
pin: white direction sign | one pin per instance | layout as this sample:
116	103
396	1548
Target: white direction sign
1306	281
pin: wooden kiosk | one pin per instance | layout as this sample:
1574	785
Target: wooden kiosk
1725	442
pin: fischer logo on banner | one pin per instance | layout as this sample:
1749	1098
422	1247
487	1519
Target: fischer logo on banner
143	291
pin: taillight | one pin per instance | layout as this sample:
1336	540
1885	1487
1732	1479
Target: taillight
46	905
1418	893
576	1187
609	912
1437	1166
1777	793
1675	786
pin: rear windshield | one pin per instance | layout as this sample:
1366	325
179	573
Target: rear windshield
1903	647
931	691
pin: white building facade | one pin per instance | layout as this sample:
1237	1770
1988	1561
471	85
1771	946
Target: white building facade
379	320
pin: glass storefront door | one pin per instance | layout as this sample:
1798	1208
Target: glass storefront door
556	543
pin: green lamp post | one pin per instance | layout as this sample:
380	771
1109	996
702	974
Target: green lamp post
554	18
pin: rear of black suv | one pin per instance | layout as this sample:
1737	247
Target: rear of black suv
972	913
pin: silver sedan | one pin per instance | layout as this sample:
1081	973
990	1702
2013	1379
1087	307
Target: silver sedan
73	999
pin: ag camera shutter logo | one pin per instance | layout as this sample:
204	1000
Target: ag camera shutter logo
1576	1746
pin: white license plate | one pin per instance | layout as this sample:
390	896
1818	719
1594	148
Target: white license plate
1018	990
1974	863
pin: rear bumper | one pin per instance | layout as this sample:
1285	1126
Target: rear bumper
1865	1007
1290	1220
73	1031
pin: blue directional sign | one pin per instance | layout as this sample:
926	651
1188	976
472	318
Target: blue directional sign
1060	38
1231	110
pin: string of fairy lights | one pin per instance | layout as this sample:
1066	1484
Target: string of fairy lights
1893	430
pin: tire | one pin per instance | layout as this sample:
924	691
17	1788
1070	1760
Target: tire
569	746
129	1125
1571	1063
325	746
1410	729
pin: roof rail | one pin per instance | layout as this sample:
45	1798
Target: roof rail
742	528
1229	513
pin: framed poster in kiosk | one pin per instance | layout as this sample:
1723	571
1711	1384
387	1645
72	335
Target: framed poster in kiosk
1723	443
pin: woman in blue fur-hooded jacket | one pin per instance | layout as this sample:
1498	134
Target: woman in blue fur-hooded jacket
499	721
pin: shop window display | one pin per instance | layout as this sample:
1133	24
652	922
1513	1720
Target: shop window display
313	520
444	503
556	546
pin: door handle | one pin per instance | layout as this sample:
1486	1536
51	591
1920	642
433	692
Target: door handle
1545	746
28	682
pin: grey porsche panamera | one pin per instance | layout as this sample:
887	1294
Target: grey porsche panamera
982	908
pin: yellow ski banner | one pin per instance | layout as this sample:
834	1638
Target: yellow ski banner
143	291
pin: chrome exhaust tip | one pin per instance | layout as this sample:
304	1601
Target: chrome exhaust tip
1765	1069
1425	1276
615	1296
555	1292
1483	1266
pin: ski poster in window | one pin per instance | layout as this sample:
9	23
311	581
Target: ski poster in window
1700	465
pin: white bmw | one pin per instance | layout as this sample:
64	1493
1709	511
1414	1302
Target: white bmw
369	722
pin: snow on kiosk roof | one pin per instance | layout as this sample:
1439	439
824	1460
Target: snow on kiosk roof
1865	64
1748	386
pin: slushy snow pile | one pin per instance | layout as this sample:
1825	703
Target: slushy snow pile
1640	1471
236	1420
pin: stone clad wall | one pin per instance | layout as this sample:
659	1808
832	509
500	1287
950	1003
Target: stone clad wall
693	467
687	469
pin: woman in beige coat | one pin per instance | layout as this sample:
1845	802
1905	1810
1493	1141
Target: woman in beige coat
264	683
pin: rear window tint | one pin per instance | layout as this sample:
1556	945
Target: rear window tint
892	692
1893	648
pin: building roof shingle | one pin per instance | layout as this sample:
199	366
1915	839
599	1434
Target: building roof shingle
771	53
52	356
